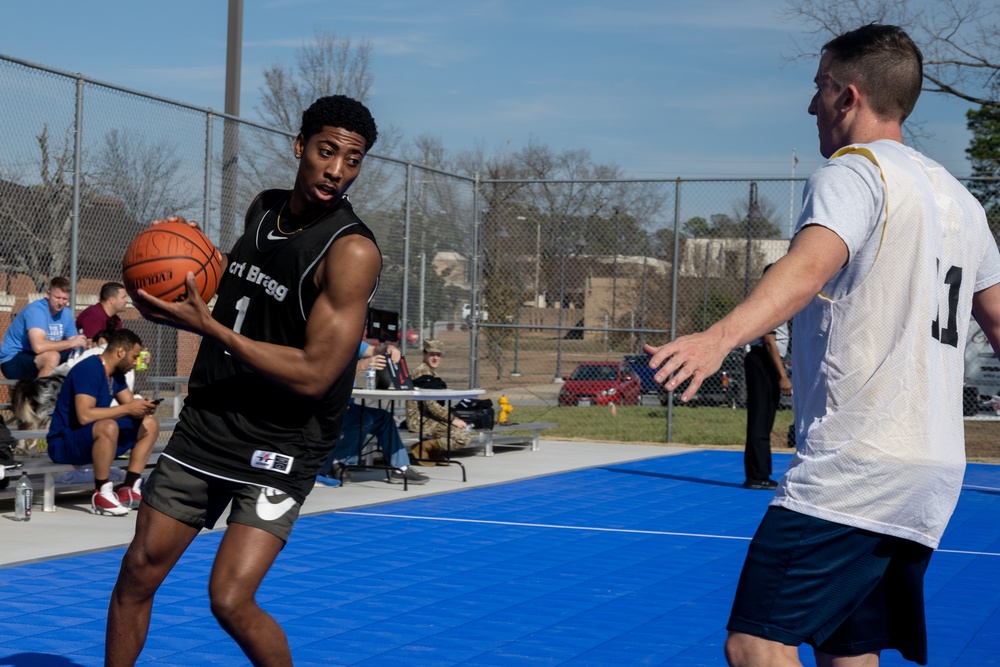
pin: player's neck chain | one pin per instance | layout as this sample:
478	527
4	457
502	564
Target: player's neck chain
295	231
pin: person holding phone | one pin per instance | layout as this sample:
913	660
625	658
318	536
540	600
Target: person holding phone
87	429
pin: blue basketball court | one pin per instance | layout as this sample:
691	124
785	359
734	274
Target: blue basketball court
630	564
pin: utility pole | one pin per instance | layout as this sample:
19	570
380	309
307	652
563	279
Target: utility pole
231	128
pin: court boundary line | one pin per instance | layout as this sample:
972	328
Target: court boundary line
632	531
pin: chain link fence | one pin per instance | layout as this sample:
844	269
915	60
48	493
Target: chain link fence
522	280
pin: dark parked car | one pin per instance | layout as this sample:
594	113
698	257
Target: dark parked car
601	383
640	366
727	386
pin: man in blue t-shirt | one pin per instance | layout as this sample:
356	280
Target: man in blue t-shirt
41	336
86	429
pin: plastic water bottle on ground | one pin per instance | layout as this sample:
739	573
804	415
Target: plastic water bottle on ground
370	377
24	493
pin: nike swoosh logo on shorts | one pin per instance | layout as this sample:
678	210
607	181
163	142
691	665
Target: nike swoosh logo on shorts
268	509
272	237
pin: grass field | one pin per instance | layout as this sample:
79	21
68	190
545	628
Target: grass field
692	426
709	427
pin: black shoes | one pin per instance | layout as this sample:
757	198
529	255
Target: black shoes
340	472
411	475
760	484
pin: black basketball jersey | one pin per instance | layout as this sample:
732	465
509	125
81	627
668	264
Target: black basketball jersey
236	424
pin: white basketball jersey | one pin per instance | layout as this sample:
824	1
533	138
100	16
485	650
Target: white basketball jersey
879	372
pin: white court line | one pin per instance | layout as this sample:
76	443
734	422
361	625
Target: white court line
544	525
980	488
599	530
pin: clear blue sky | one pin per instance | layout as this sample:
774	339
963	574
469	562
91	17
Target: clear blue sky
660	89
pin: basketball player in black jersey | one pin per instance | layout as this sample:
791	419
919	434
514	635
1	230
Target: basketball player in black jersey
277	361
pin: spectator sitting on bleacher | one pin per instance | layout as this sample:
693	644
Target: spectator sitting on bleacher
86	429
431	417
41	336
32	400
360	423
103	315
99	342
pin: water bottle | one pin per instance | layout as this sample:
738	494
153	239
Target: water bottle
370	377
23	495
77	351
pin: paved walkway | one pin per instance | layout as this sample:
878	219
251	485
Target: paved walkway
72	529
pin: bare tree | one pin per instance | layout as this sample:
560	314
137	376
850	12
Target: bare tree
329	65
960	39
37	220
145	177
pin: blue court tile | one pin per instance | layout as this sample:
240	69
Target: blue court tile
388	585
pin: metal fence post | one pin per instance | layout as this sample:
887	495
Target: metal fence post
207	208
74	250
474	297
404	315
673	298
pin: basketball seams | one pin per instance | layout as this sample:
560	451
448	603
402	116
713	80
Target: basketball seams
198	263
195	243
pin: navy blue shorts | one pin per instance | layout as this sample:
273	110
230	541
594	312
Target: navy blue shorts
842	590
76	446
22	365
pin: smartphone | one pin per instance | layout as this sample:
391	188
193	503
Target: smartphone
157	401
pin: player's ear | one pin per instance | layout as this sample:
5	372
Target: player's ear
299	146
850	97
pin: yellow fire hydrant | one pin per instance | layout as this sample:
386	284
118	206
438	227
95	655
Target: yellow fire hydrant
505	409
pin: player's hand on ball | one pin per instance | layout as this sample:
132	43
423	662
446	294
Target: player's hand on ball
191	314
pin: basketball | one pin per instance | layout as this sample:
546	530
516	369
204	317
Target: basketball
159	258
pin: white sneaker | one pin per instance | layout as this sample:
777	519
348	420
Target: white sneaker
105	501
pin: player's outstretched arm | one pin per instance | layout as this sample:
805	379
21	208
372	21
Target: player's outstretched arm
815	256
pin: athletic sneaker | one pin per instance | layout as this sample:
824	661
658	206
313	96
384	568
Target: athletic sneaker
131	496
411	475
340	471
760	484
105	501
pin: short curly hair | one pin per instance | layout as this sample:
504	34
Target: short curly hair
339	111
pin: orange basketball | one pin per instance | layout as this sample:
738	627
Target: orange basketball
159	258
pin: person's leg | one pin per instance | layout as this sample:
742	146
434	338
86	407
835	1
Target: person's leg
345	449
145	439
772	397
105	447
46	362
743	650
158	543
138	440
828	660
20	367
383	427
244	557
757	452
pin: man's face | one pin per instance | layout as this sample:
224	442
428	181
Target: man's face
119	302
57	299
127	360
825	105
329	162
432	359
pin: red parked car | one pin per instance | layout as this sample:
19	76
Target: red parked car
601	383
